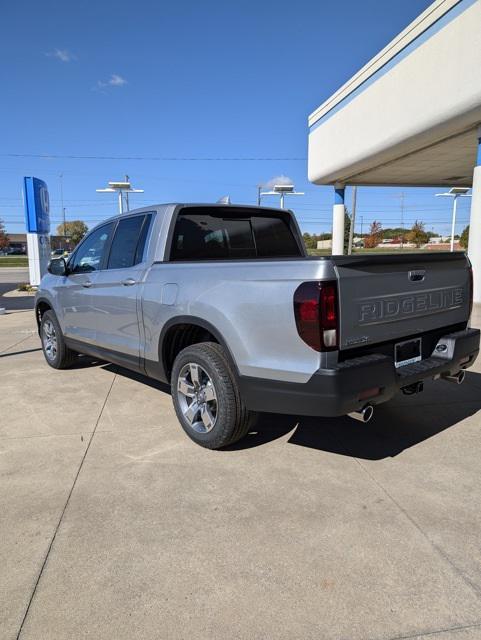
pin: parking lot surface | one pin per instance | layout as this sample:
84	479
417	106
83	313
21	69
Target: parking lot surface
115	526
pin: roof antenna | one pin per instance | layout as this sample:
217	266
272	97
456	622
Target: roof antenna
224	200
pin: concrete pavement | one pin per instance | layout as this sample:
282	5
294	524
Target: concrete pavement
115	526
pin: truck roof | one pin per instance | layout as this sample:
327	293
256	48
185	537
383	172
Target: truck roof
174	205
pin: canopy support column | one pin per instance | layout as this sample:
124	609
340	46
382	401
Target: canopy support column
474	249
338	219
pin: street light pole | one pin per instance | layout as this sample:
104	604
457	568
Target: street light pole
453	223
454	193
282	190
121	188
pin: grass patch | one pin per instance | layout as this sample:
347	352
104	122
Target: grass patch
24	286
13	261
357	252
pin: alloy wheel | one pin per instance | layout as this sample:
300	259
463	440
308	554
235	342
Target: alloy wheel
197	397
49	339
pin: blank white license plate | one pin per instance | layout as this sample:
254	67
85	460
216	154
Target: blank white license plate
407	352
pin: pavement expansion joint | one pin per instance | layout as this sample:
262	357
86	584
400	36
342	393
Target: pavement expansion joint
52	541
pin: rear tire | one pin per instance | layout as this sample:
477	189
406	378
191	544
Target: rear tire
56	352
206	397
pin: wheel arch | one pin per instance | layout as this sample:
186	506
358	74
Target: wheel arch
182	323
41	306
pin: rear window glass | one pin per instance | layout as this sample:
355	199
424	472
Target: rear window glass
232	233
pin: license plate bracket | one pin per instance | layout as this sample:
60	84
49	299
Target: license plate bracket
407	352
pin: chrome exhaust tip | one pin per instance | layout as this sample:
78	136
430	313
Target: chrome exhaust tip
458	377
364	415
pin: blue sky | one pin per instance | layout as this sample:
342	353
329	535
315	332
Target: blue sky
184	79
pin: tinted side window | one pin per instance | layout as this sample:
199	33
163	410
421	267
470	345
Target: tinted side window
274	238
123	252
139	253
204	237
90	254
234	233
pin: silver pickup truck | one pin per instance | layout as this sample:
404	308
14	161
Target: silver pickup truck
223	303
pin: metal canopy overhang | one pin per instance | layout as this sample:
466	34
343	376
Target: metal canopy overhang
449	161
411	115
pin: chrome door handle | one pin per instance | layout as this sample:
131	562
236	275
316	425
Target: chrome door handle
87	284
128	282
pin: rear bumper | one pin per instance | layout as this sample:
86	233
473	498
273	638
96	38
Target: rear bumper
335	392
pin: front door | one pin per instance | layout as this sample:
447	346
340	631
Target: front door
75	297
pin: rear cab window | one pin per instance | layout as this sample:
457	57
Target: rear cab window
233	233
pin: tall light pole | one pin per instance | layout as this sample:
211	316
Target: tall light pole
281	190
454	193
121	188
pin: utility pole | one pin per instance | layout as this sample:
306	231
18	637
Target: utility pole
353	220
127	179
259	189
362	222
61	204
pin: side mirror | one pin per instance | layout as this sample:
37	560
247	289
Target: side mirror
57	267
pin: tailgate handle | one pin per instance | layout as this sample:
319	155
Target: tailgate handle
417	275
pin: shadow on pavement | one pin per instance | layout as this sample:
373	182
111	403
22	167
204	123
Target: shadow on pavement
16	303
19	353
19	303
138	377
391	431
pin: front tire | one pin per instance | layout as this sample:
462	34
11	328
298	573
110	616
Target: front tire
55	351
206	397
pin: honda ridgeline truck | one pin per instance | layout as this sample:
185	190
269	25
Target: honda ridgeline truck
223	303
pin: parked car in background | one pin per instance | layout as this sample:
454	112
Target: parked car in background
59	253
222	303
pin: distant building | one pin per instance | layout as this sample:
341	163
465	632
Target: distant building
439	239
18	242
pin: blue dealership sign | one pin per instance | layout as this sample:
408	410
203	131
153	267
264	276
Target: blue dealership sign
37	206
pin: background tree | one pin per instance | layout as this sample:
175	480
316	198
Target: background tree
74	230
4	241
310	240
418	235
464	239
374	236
347	228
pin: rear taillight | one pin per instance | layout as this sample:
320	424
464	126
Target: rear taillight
471	285
316	313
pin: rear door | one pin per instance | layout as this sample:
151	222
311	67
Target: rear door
385	298
115	294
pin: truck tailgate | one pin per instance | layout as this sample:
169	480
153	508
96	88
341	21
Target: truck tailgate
383	298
